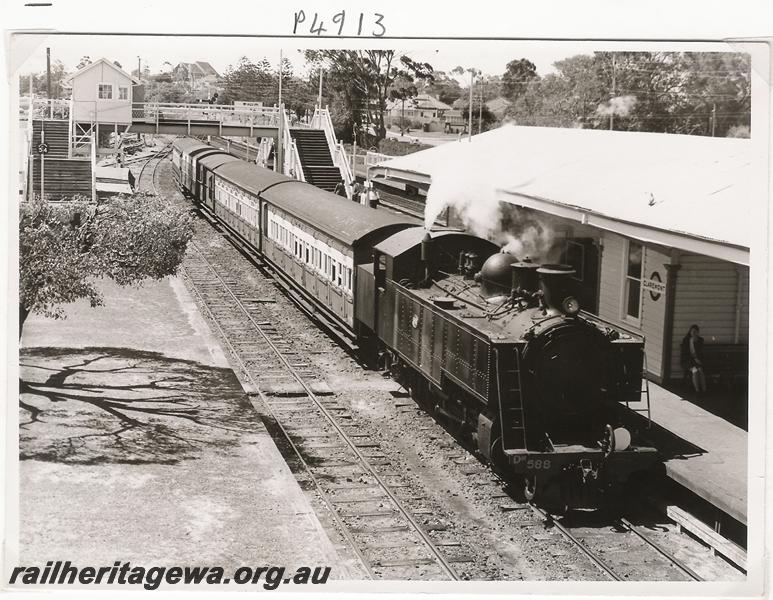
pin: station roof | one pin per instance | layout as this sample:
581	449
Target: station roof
688	192
342	219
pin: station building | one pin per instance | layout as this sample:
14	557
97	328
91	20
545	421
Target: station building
656	226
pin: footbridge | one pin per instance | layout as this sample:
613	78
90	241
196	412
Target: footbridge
205	119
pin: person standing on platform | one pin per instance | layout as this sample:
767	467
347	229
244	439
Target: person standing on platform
692	358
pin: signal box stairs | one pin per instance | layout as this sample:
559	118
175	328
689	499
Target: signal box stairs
317	163
64	177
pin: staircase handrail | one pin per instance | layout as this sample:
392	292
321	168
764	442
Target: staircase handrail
93	168
70	141
26	185
292	159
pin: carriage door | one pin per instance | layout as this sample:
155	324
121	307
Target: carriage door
211	192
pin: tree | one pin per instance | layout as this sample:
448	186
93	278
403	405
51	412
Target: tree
364	78
444	88
65	247
670	92
519	74
250	81
403	89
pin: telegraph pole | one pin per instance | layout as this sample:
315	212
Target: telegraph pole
139	69
611	109
280	77
480	109
319	98
472	75
713	119
48	82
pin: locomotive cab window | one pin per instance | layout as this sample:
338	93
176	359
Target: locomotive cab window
632	289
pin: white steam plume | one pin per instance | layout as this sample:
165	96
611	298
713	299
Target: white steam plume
472	194
619	106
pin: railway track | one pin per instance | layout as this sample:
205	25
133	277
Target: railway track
338	456
612	550
154	160
237	149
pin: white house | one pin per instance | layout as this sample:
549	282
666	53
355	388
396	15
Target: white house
102	92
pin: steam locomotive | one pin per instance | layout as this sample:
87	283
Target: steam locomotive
496	346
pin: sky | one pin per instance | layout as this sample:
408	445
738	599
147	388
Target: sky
28	51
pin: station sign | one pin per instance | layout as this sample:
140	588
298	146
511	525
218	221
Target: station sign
655	286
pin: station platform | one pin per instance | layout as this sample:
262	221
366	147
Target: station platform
703	452
137	443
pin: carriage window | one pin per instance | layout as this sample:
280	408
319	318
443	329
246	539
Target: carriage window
633	279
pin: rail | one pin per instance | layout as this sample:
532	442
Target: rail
45	108
321	120
226	114
291	159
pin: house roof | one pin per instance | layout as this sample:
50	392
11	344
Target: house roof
498	105
688	192
105	62
427	101
199	67
422	101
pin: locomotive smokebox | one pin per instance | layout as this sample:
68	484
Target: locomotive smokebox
524	279
557	287
495	277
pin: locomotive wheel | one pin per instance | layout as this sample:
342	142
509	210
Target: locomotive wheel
497	454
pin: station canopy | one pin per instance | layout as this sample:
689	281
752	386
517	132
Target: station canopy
687	192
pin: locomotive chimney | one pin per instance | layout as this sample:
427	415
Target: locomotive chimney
556	285
426	255
524	278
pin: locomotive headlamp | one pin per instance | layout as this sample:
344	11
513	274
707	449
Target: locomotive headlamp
570	306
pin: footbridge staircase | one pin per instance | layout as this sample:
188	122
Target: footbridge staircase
50	168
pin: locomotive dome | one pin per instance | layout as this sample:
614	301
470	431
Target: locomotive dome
496	275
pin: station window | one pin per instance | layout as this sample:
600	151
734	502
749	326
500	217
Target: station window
105	91
123	92
633	275
574	255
